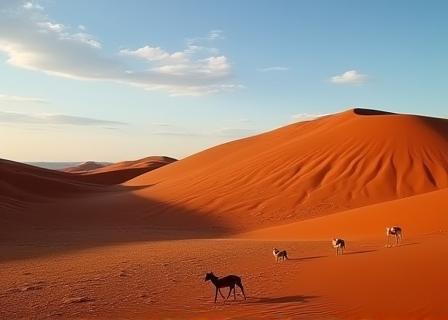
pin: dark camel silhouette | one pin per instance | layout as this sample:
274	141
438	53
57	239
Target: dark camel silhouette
228	281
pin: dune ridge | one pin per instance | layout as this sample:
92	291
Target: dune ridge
120	172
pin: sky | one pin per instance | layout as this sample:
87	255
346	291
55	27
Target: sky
119	80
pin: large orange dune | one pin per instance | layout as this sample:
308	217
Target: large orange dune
308	169
305	170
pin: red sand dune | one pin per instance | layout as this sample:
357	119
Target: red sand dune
84	167
308	169
119	172
25	182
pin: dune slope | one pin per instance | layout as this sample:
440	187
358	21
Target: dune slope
25	182
418	215
309	169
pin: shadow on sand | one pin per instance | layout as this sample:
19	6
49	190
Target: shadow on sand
306	258
360	252
274	300
108	215
402	245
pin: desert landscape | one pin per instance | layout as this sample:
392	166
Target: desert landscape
135	239
223	160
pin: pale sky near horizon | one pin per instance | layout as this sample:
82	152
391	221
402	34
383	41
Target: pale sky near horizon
119	80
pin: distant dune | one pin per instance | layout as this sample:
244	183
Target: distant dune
25	182
53	165
119	172
21	183
85	167
308	169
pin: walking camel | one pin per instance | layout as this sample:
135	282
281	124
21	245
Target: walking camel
339	245
396	232
228	281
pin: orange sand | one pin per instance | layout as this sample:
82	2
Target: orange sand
165	280
82	246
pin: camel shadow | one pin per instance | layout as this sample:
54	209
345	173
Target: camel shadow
360	252
306	258
402	245
407	244
275	300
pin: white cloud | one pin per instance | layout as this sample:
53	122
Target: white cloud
56	27
32	5
147	52
57	119
11	98
349	77
31	40
275	68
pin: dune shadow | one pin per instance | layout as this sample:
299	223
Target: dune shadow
360	252
276	300
371	112
306	258
112	215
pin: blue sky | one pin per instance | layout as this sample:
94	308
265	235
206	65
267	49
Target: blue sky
116	80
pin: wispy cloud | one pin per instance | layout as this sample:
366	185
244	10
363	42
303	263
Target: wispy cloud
307	116
349	77
274	68
165	129
57	119
12	98
33	41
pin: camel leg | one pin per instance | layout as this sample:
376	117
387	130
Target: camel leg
216	294
242	289
230	291
234	294
221	293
